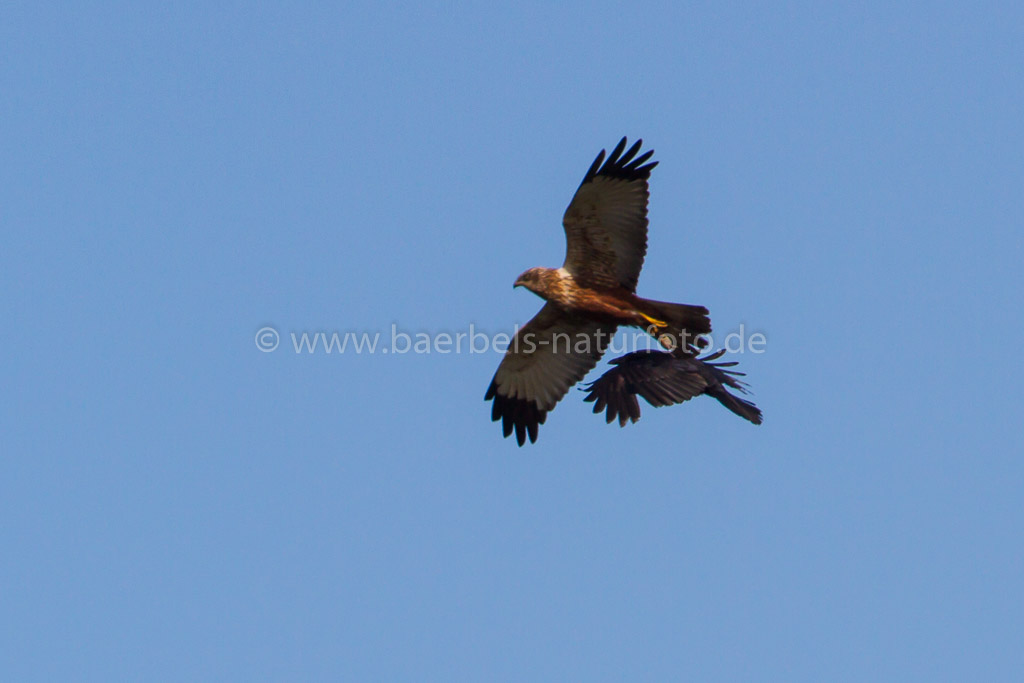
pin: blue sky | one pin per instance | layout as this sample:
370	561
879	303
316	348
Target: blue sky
178	505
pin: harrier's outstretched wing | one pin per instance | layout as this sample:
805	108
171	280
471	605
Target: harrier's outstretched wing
606	222
663	379
547	356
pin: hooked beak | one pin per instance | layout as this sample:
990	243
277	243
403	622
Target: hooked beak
517	283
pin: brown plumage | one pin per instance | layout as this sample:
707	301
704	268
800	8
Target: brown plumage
589	296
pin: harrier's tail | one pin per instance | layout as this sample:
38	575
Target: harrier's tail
685	322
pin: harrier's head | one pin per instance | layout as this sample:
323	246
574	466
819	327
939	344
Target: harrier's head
540	281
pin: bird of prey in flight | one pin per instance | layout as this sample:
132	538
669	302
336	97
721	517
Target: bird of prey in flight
664	379
592	294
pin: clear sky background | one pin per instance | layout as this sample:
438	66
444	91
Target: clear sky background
176	504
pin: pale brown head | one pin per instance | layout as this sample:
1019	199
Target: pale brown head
540	281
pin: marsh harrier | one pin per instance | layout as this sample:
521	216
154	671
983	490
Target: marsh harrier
592	294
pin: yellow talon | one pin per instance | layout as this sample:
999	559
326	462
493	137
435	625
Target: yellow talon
654	321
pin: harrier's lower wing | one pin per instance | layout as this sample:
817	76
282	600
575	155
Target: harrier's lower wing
547	356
